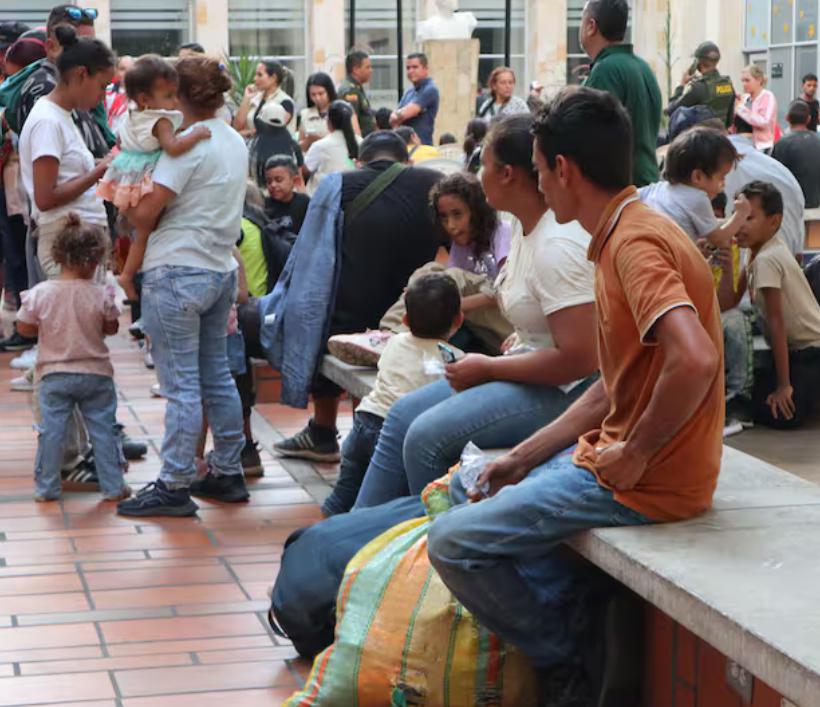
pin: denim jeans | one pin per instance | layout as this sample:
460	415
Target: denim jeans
185	312
357	450
738	353
501	560
96	398
425	432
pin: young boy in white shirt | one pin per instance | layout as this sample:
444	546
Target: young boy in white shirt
784	395
433	315
696	167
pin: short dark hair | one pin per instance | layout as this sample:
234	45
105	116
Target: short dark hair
433	302
382	118
79	244
354	60
421	56
799	113
146	70
809	77
447	139
193	47
593	129
771	200
282	160
483	217
510	141
383	144
91	54
700	148
405	132
323	80
720	202
611	16
59	16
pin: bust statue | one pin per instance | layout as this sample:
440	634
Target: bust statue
446	23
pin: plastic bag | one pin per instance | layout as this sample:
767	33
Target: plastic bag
473	461
433	366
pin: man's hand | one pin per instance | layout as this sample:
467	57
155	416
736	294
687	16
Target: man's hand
395	119
621	466
506	470
781	402
470	371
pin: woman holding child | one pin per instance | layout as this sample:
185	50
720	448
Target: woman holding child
189	286
546	292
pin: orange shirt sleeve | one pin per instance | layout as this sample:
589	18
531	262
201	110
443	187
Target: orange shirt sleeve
651	280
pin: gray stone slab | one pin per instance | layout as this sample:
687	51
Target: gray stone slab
356	380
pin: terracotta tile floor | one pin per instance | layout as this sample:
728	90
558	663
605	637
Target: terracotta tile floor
101	611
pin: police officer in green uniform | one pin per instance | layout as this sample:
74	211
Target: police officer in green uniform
706	86
359	70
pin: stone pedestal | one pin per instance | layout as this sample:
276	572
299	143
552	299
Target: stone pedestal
454	68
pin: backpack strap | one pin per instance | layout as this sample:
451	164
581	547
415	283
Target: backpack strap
373	191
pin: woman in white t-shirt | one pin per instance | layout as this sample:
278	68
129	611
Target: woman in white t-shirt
337	151
545	290
320	93
189	286
58	170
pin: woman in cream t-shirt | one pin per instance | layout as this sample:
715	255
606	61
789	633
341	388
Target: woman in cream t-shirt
546	292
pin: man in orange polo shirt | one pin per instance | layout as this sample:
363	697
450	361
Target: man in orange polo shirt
642	445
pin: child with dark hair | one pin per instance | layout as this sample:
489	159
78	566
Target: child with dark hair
149	128
433	315
72	315
696	167
784	394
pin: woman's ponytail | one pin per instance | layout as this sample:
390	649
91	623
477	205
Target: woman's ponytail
66	35
92	54
340	117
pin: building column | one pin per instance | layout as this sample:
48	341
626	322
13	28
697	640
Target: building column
102	25
210	25
546	43
325	50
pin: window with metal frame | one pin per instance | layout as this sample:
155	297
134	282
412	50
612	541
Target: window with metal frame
149	26
31	12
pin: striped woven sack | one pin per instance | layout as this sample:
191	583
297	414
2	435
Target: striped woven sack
402	639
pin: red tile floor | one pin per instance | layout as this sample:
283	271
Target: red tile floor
101	611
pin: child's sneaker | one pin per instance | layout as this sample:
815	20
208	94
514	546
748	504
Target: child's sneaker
360	349
251	461
121	496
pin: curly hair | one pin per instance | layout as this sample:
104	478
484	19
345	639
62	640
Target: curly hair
203	82
79	244
483	217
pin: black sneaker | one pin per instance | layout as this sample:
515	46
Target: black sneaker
563	686
136	330
157	499
131	449
251	462
18	342
226	488
318	444
82	477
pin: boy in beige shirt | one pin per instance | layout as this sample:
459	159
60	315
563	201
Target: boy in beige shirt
784	395
433	315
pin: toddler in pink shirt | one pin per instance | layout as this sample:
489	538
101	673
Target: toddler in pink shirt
72	315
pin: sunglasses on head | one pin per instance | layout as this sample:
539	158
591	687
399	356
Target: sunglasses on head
76	14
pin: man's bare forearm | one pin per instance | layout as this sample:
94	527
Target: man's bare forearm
585	414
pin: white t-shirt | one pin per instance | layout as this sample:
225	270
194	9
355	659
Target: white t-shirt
546	271
50	131
201	225
758	166
327	156
687	206
401	371
136	132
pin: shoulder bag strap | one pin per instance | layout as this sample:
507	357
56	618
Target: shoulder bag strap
373	191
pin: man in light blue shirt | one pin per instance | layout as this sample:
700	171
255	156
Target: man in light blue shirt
419	104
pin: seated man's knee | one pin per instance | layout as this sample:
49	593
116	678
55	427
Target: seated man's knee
444	540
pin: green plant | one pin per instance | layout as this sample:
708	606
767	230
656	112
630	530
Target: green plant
242	69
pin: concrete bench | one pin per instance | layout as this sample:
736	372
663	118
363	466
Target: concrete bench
743	578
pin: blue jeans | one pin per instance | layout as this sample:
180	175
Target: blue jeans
425	432
185	312
357	451
500	557
96	397
737	353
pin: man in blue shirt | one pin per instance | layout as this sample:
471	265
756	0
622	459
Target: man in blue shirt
419	104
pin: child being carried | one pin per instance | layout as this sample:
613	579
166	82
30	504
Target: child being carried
149	128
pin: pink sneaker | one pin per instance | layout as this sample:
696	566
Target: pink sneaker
360	349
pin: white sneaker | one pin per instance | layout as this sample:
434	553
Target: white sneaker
22	384
732	428
25	360
156	391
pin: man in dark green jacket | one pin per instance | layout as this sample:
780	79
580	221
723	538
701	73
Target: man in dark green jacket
706	87
617	70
